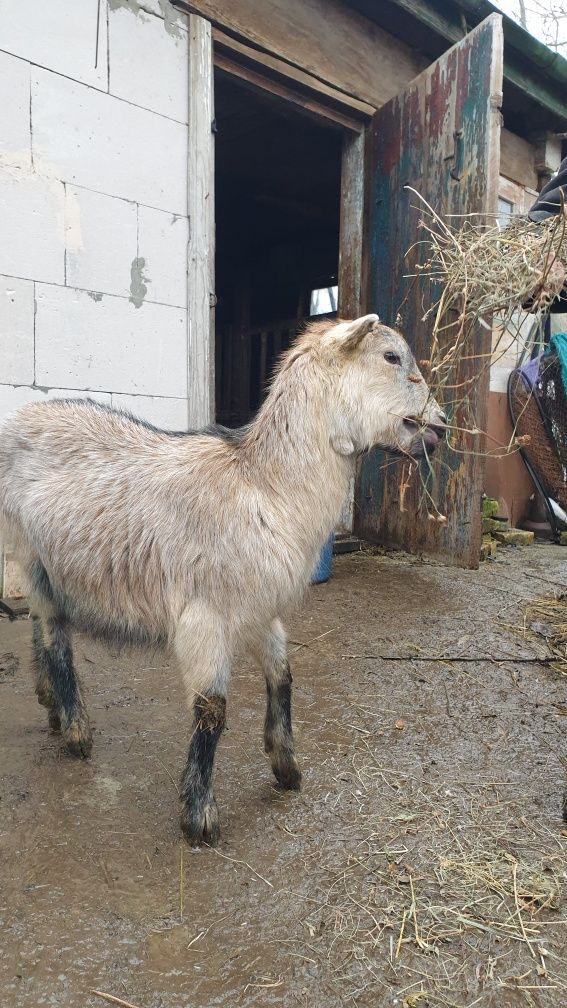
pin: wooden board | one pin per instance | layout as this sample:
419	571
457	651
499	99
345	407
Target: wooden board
325	38
517	159
412	142
351	228
201	259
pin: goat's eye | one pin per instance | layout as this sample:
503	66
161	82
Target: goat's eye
392	357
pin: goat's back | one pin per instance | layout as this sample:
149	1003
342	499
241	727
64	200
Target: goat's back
116	512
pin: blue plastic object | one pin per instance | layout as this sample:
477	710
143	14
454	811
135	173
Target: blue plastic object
324	567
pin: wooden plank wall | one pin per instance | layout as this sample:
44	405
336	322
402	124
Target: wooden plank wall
413	141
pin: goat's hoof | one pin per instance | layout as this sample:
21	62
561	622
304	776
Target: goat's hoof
287	773
77	737
54	720
201	825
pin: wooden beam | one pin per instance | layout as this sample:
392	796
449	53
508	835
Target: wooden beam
282	70
201	200
351	224
321	109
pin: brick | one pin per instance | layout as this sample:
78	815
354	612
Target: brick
15	112
32	245
16	327
170	414
100	249
105	144
162	243
109	345
58	35
138	41
514	537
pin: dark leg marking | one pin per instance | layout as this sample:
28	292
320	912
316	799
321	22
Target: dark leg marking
278	735
43	687
57	686
199	814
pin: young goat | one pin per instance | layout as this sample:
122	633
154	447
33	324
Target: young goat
200	541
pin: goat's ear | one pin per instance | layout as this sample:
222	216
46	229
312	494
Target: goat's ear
357	330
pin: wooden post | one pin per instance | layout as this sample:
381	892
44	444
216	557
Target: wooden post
350	242
201	210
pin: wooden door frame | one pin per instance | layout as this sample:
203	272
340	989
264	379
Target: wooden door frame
210	48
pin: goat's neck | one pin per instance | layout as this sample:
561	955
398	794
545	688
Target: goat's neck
288	449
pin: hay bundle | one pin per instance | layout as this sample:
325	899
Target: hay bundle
487	270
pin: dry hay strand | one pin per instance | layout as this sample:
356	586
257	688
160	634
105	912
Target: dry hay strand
487	270
545	620
450	896
482	274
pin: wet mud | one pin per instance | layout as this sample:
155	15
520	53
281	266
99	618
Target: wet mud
425	724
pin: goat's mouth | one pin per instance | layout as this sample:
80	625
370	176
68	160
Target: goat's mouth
424	438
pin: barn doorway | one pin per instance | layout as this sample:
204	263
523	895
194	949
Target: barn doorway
277	209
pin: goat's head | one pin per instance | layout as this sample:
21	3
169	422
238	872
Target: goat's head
381	398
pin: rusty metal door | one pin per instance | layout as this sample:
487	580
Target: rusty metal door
440	136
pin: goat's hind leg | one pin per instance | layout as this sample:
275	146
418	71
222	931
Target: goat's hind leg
56	683
43	686
204	657
278	735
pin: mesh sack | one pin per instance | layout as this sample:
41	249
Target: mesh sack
540	411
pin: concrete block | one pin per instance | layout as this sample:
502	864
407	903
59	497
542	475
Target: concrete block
33	207
14	396
67	393
514	537
489	548
14	582
109	345
494	524
16	331
102	143
138	41
489	507
162	243
58	35
169	414
15	112
175	22
101	258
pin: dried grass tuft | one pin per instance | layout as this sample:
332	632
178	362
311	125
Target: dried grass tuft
447	892
546	618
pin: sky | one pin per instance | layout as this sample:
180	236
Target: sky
539	20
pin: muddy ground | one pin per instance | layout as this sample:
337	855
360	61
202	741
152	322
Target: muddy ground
423	863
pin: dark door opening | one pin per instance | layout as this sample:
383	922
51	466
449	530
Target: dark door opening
277	208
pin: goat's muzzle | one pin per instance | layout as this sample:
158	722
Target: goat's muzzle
426	435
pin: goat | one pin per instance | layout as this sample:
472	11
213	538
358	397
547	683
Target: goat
200	541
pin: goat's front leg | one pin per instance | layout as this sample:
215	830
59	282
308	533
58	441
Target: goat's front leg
278	735
201	648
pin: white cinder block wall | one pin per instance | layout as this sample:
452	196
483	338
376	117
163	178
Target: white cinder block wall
93	204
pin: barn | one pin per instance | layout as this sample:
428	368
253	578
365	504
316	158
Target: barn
183	184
